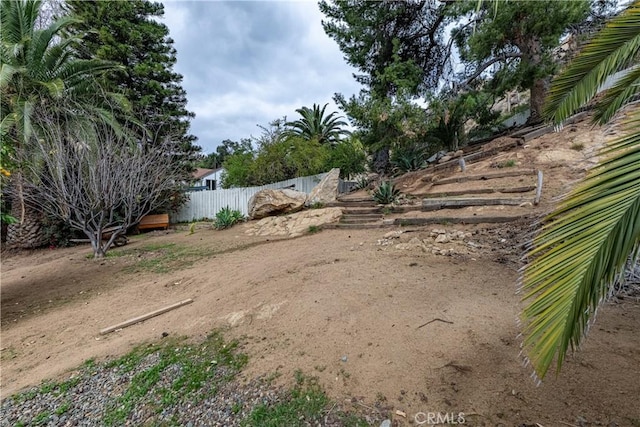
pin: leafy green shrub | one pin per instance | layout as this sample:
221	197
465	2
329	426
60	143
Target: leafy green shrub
349	156
317	205
386	193
226	218
506	164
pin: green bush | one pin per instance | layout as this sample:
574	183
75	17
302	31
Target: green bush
349	156
226	218
386	193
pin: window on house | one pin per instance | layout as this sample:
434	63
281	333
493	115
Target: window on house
211	184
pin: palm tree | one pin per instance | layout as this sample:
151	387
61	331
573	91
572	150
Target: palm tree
40	73
315	125
587	240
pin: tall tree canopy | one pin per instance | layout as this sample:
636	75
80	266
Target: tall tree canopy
371	33
517	39
128	33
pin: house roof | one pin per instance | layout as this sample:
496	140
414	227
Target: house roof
200	173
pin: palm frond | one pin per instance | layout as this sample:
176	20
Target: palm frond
613	49
578	254
620	94
7	72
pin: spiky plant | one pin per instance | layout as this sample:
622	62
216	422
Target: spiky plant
40	73
226	217
386	193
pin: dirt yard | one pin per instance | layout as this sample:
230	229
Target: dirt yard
386	324
337	304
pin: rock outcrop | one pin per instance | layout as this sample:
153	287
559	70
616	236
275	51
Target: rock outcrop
327	190
295	224
274	202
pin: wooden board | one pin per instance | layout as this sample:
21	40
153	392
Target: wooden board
524	189
154	221
461	202
485	176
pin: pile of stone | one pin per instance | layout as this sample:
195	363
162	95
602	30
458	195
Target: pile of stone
439	242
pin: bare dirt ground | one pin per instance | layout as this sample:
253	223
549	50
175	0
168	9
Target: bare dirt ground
338	305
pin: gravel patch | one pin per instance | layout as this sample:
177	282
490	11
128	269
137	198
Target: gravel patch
163	387
86	403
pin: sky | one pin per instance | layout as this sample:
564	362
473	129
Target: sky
246	63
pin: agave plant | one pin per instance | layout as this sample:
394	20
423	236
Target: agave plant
226	217
386	193
362	183
407	159
586	241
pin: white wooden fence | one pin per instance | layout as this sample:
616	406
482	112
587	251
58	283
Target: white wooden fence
205	204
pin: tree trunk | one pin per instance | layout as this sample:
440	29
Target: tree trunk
27	233
538	95
381	161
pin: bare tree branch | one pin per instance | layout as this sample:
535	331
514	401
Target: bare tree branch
489	63
99	180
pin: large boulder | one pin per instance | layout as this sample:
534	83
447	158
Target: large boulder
274	202
327	190
294	225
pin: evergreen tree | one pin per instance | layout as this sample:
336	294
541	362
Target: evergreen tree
375	35
518	38
127	32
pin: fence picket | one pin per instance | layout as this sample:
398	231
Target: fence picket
205	204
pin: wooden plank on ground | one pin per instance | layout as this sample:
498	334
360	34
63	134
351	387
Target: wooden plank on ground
537	133
485	176
145	317
445	203
478	191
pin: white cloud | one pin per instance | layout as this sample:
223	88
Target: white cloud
247	63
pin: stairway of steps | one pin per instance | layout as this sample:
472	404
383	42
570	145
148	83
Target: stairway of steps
359	213
463	198
481	197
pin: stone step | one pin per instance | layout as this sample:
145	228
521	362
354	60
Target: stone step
405	208
452	219
372	216
360	211
432	204
340	225
344	220
351	204
355	199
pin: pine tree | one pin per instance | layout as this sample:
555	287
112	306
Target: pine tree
127	32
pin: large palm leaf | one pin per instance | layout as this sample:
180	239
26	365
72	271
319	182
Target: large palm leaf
313	124
614	49
588	238
38	67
